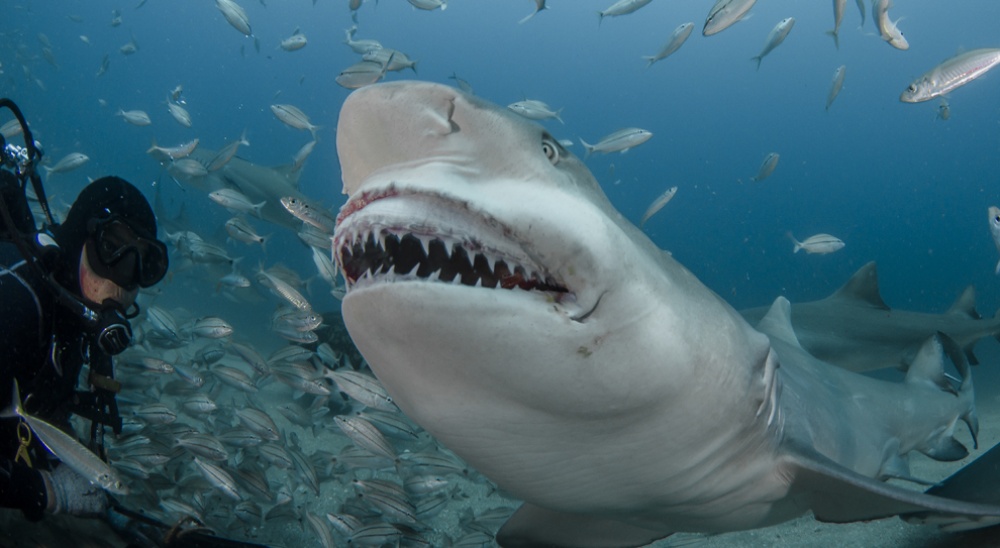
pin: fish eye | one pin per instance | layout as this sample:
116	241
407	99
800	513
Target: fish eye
551	150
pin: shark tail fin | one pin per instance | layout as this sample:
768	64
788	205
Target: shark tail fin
928	369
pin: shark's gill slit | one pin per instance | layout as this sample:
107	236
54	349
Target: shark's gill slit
394	256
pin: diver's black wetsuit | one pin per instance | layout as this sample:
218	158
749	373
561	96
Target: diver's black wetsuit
42	346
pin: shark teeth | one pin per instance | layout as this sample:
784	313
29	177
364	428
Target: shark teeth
390	255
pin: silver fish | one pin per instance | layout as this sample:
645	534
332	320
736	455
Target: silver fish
219	478
724	14
392	59
211	327
309	213
240	230
68	162
259	423
67	449
294	42
235	15
539	6
365	435
429	5
235	378
227	153
363	388
677	39
535	110
944	110
619	141
235	201
775	38
300	157
861	8
820	244
361	74
187	168
283	289
658	204
179	113
105	63
838	82
766	167
461	83
135	117
621	7
887	27
838	15
360	46
994	219
293	117
951	74
165	154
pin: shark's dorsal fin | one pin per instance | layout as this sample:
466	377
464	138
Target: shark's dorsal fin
862	288
778	322
290	173
928	366
965	305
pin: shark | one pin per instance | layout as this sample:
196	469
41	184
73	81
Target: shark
511	311
855	329
258	183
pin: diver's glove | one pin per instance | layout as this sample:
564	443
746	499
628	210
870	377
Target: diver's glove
71	493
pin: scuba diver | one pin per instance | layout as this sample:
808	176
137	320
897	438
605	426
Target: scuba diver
67	293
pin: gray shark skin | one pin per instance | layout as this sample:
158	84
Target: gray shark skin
853	328
602	383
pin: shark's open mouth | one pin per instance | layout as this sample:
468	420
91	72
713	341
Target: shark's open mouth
384	248
412	256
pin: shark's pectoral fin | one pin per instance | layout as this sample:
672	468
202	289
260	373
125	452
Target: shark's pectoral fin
839	495
535	527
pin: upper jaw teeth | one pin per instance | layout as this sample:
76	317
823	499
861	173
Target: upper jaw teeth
390	254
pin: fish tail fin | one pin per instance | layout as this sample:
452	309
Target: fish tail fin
14	410
589	149
796	243
558	112
530	15
757	58
263	242
836	37
650	59
995	270
927	369
600	18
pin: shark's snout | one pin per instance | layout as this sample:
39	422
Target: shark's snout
389	124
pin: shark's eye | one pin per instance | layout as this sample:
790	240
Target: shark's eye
551	150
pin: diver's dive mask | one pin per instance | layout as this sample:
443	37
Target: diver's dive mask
123	255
